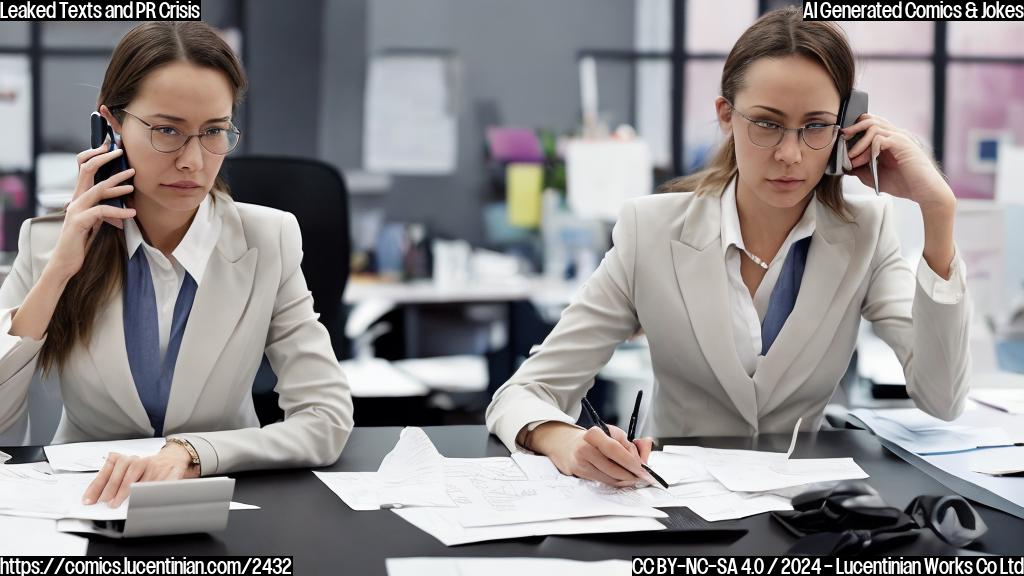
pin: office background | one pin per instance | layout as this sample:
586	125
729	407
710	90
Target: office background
959	86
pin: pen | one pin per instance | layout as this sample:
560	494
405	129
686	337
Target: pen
631	435
604	427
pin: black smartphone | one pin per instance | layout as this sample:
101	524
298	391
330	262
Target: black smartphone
850	110
101	130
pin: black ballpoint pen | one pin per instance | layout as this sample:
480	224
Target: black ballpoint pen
631	435
604	427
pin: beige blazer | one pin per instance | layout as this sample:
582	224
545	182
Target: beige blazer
666	274
253	300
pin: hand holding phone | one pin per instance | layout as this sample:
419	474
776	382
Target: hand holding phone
850	109
87	211
101	131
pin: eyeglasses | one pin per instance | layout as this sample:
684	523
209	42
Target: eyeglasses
167	139
768	134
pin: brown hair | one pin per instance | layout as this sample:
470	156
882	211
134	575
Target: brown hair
142	50
777	34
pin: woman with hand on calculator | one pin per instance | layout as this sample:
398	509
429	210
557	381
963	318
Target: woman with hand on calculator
155	314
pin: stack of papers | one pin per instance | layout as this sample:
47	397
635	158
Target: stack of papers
917	432
752	471
35	491
40	491
462	500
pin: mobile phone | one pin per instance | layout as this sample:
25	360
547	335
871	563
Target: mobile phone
850	110
100	131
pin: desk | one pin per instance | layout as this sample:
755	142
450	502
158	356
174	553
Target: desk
301	517
534	288
548	296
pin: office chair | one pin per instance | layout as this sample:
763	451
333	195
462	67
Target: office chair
316	194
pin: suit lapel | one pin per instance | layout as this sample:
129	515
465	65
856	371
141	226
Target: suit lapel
218	306
827	262
699	269
110	357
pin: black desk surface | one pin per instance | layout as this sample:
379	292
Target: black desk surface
301	517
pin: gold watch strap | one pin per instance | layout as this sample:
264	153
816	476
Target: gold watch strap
187	446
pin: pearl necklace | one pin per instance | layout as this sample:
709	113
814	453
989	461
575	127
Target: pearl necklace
756	260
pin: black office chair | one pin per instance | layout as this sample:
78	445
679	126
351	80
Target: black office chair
315	193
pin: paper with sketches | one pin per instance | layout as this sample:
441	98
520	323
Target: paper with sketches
412	474
90	456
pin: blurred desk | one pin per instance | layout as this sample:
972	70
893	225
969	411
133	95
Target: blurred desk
549	297
533	288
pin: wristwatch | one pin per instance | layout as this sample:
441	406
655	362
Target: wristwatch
188	448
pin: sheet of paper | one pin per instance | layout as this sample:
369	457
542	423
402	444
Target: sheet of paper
37	537
15	113
679	495
410	111
673	468
492	503
536	466
959	464
443	524
602	174
504	567
754	471
700	491
90	456
998	461
496	468
677	468
412	474
1006	399
732	506
917	432
27	490
4	456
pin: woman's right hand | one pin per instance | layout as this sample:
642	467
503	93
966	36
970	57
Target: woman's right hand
591	454
84	215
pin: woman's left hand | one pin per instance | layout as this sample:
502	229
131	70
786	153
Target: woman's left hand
905	168
113	481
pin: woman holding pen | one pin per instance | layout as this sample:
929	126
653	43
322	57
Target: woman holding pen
750	277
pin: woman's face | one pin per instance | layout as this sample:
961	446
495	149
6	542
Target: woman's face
190	99
793	92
